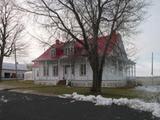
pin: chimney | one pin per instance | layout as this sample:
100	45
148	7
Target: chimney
57	42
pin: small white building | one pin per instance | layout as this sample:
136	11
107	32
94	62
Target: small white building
68	61
9	71
28	75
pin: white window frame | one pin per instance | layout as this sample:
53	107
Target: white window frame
45	69
55	70
83	70
73	69
37	73
53	52
69	50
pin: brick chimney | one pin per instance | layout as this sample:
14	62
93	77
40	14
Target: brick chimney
57	42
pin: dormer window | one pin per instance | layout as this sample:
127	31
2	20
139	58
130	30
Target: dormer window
53	52
69	51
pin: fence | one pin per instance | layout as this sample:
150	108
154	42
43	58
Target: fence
155	80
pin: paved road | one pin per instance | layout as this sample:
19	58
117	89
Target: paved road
33	107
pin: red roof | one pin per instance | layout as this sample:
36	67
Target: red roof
101	44
46	56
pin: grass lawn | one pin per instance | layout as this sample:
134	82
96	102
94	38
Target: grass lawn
59	90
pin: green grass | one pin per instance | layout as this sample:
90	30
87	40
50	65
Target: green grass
106	92
18	83
119	93
59	90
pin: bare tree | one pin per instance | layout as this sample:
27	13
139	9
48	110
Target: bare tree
10	31
85	19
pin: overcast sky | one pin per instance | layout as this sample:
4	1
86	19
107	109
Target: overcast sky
147	41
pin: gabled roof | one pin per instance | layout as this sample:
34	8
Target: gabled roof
46	56
101	44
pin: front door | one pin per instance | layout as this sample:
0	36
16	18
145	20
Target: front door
67	72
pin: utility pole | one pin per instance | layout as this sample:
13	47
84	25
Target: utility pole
152	68
15	58
152	65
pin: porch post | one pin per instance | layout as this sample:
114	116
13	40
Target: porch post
129	72
134	70
58	67
117	67
122	69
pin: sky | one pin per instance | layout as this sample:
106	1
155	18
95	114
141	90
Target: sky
147	41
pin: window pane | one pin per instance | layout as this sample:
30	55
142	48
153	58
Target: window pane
84	69
37	73
53	52
72	69
55	70
44	70
47	68
65	69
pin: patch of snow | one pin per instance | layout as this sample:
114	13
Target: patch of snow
72	101
60	96
27	98
22	91
27	91
137	104
152	88
3	99
103	101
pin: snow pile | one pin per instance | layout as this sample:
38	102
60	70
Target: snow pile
137	104
3	99
152	88
103	101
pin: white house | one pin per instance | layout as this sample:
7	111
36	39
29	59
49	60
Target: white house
68	61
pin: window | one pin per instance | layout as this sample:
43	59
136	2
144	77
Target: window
65	51
68	50
55	70
120	66
37	73
72	50
83	69
72	67
53	52
65	69
46	69
112	69
6	75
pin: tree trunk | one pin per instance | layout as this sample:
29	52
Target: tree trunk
1	65
97	79
97	76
